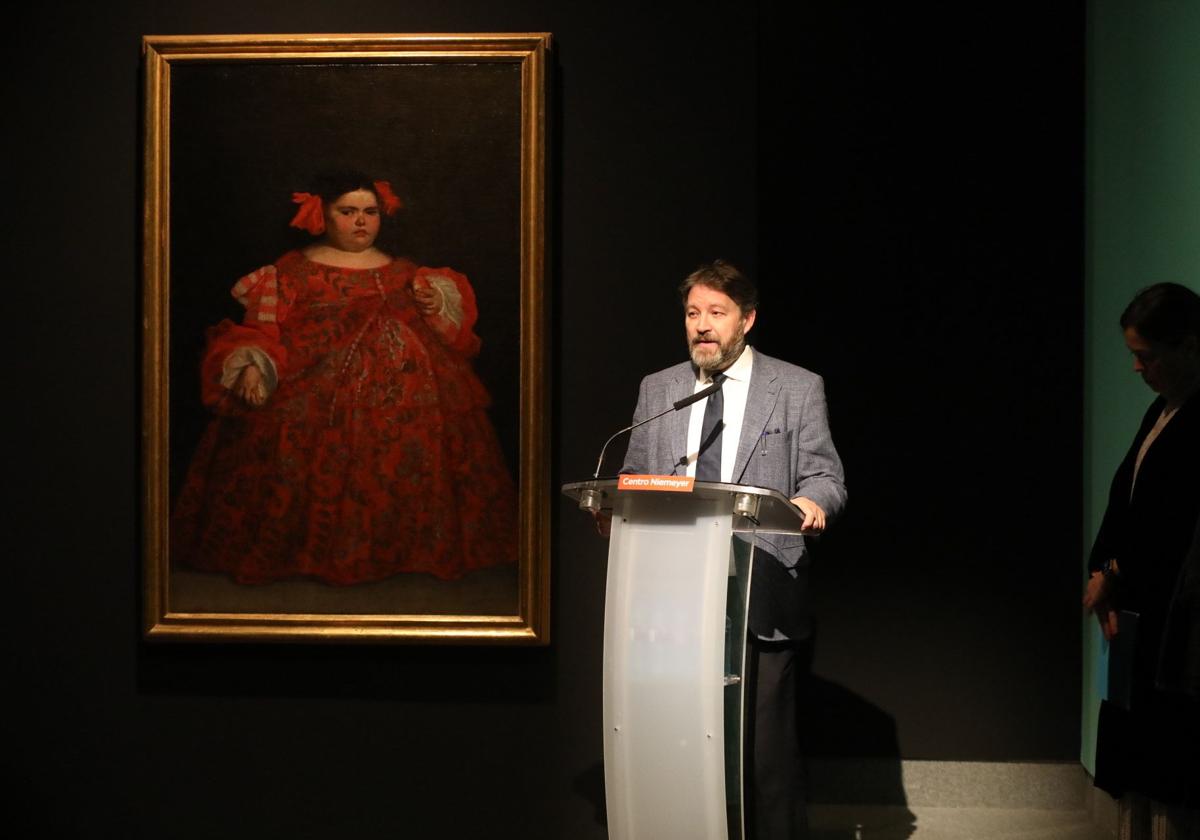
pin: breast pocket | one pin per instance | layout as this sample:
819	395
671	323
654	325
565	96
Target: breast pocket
770	465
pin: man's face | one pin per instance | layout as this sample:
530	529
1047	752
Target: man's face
716	328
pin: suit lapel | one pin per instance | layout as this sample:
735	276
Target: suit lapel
683	386
760	402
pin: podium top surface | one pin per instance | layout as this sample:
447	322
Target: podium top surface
775	512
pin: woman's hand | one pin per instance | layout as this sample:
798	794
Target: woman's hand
1096	599
249	386
429	299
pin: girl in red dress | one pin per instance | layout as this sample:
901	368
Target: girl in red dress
350	441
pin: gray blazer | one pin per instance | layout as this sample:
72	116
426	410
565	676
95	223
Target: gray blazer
785	445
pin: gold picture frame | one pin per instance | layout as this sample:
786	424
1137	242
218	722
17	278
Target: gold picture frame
231	124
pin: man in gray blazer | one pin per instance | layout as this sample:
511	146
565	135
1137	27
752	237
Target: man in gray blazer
766	427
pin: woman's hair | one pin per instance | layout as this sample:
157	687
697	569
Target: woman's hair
334	184
724	278
1165	313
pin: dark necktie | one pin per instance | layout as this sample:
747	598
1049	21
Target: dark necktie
708	466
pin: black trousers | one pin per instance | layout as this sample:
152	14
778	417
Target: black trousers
777	674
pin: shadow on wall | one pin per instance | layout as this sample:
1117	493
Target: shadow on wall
856	787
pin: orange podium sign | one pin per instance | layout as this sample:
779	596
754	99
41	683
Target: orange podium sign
657	483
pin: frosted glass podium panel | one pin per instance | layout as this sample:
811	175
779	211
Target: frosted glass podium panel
674	641
664	658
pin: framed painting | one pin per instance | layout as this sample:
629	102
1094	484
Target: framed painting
344	338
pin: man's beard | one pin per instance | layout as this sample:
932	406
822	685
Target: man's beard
725	355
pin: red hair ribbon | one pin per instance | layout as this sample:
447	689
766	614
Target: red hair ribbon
391	201
310	216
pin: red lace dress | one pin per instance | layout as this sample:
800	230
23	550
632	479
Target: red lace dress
372	455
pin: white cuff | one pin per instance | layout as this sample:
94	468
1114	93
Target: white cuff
244	357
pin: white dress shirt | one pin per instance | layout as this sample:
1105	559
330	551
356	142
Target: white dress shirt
735	389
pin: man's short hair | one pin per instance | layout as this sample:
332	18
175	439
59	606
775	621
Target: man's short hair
725	278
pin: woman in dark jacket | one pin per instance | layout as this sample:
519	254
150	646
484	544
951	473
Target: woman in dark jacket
1148	753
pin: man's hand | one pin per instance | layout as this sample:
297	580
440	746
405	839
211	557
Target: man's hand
814	515
1096	600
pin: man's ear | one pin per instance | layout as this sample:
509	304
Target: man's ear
749	317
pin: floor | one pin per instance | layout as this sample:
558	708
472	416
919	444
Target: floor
832	822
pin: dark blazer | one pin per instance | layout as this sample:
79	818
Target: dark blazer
1150	532
785	445
1150	748
1179	656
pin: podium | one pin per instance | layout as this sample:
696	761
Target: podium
679	566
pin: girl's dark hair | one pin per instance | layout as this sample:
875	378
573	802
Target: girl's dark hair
334	184
1165	313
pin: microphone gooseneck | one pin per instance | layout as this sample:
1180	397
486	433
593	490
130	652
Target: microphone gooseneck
675	406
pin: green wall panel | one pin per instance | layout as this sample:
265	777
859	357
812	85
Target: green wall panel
1143	227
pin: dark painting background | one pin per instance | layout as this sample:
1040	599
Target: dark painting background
905	183
245	137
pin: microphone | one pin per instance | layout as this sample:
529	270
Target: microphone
686	401
675	406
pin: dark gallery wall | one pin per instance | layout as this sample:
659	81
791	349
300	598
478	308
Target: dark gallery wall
920	176
906	185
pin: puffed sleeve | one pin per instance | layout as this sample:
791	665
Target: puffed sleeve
231	347
454	319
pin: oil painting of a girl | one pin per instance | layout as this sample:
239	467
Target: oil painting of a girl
349	440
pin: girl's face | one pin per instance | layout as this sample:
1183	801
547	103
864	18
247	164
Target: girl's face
352	221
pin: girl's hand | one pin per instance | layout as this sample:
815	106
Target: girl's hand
249	386
428	298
